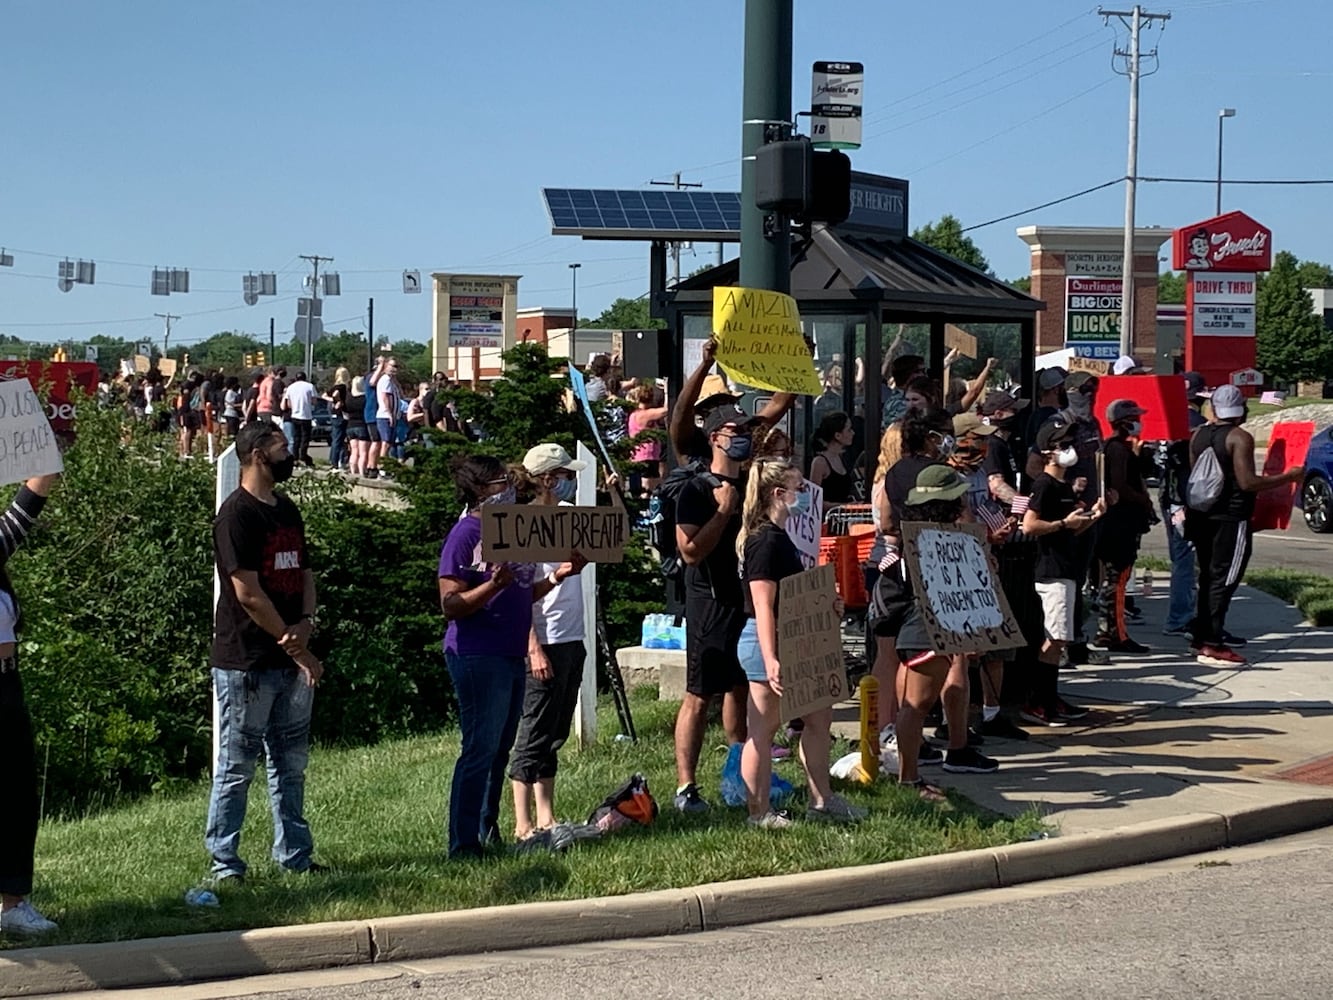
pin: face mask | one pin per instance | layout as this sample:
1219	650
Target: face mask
1080	404
800	503
282	470
1066	457
565	489
739	448
946	444
1135	428
505	496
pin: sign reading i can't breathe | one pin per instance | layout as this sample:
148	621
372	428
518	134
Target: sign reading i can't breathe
760	343
811	670
531	533
27	443
957	589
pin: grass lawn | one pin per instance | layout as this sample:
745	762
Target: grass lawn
1311	593
378	816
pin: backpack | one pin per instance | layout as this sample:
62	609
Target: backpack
632	802
1207	481
661	519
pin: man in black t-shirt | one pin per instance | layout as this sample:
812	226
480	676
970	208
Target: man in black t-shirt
1054	520
263	671
708	519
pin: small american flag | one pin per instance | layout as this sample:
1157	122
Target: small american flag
1019	506
994	520
890	558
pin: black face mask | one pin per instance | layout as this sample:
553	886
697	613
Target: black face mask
282	469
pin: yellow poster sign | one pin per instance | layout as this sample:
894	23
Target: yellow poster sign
759	341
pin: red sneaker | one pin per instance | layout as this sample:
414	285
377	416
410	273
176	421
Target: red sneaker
1039	716
1221	656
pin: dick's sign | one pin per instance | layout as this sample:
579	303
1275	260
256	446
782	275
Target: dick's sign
1092	316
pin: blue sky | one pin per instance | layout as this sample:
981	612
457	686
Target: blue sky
235	136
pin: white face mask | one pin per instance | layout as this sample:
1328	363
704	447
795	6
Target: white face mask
1066	457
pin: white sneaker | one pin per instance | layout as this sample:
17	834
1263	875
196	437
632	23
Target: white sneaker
836	809
25	920
770	821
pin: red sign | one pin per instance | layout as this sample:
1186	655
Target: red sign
1231	242
52	380
1288	444
1162	396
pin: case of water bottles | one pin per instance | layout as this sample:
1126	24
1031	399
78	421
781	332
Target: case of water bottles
661	632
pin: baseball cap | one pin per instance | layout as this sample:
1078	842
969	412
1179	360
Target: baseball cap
1051	433
728	413
1076	379
997	400
937	482
1123	409
1123	365
1228	402
970	423
549	457
1195	387
1051	378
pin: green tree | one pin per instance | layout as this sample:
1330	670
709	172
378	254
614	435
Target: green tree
947	236
624	314
1023	284
1171	287
1312	274
1293	345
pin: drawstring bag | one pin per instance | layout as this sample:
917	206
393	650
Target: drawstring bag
631	803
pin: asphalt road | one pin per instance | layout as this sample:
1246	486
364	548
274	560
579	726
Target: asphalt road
1296	548
1251	922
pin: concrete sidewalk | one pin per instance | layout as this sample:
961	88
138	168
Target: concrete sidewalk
1169	736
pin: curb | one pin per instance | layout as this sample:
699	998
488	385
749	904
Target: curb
230	954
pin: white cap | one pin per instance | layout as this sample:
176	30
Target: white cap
1228	402
549	457
1123	364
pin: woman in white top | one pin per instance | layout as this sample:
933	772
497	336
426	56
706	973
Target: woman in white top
556	653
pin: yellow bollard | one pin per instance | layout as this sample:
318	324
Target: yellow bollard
869	770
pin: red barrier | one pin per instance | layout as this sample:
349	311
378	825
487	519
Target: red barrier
1163	396
1287	446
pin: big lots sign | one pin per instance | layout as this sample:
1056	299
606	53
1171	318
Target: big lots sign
1221	257
53	381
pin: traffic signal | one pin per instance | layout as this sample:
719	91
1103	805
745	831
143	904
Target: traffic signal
794	180
247	360
185	359
59	354
260	360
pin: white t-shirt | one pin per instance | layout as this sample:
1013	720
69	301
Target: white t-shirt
300	398
558	617
387	395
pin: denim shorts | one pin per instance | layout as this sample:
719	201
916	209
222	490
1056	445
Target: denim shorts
750	655
385	428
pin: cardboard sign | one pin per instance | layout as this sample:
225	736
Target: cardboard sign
1163	396
27	442
531	533
142	364
958	590
167	366
760	343
1288	445
957	339
804	529
811	671
1090	365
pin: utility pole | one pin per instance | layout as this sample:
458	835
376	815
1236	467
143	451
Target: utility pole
679	185
1134	20
765	117
271	359
166	336
370	336
315	261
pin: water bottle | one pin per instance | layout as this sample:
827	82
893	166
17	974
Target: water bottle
1147	582
649	634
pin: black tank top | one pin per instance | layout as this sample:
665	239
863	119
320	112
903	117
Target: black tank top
1234	504
356	410
837	485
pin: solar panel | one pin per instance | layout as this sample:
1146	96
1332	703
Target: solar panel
712	216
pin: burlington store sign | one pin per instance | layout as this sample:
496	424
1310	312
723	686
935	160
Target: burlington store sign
1222	258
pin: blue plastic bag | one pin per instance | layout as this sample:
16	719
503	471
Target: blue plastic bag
734	792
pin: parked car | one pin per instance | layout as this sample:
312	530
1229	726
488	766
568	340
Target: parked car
323	421
1317	491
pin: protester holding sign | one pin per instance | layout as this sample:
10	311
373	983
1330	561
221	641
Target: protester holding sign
1055	520
19	799
556	653
489	610
774	490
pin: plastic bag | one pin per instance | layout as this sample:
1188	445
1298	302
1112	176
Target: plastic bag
734	792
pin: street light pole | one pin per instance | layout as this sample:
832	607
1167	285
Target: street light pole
1222	115
574	304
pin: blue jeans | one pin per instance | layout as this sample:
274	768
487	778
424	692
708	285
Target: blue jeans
265	710
338	443
490	704
1180	612
289	432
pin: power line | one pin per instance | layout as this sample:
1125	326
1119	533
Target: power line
1046	204
1213	180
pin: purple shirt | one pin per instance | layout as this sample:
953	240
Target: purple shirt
501	627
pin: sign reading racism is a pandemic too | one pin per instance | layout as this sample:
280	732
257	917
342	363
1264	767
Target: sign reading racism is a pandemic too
533	533
811	670
957	587
27	443
760	343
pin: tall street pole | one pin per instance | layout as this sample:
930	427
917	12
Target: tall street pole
765	117
574	306
1222	116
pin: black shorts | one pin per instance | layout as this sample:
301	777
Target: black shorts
890	602
372	433
712	633
357	432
